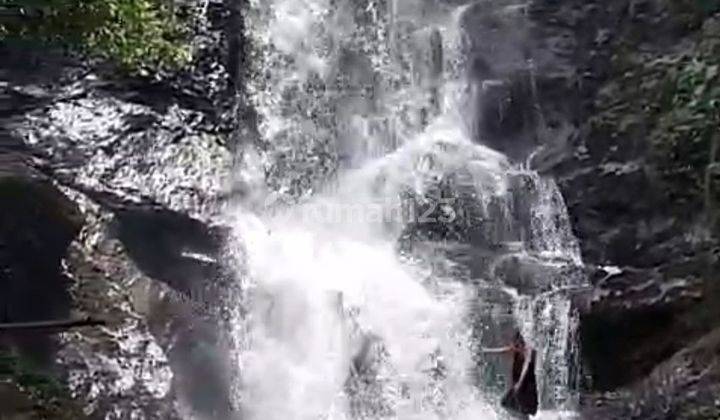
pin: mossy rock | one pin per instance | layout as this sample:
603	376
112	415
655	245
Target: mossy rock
669	101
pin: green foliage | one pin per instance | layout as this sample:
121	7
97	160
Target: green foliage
669	105
686	138
136	34
708	7
27	376
687	126
51	398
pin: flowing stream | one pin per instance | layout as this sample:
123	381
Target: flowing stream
369	297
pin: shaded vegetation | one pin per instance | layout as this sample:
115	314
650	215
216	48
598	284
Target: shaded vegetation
668	104
685	138
138	35
686	135
50	398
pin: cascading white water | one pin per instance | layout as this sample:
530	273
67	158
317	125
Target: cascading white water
339	324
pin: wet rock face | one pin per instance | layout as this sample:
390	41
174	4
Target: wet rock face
653	288
110	189
603	160
638	317
500	68
635	321
683	387
37	223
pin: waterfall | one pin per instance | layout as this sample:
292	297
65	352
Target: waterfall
367	297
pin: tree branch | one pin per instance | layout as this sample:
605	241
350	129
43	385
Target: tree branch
59	325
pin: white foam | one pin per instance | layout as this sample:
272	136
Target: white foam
301	336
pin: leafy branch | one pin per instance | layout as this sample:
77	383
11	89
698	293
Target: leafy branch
138	35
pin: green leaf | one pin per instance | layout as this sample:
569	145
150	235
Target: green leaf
136	34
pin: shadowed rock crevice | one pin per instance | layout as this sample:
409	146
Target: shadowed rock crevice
174	248
683	387
37	223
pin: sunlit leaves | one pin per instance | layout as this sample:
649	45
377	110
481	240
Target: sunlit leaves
136	34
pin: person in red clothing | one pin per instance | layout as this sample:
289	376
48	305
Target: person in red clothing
522	397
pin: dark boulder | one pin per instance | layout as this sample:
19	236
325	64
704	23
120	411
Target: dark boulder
637	319
167	245
684	387
37	223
